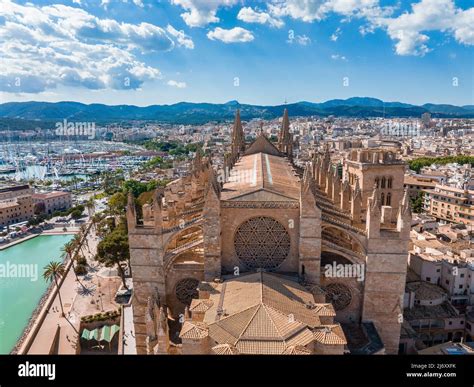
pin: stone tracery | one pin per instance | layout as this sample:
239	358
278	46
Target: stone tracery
339	295
186	290
262	242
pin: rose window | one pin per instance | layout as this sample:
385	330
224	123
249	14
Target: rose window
186	290
339	295
262	242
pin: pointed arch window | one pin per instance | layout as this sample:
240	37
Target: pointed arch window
383	182
382	198
389	182
389	199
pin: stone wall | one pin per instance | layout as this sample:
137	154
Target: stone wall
385	286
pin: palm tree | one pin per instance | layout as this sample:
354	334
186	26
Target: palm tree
52	271
83	233
77	242
68	249
90	205
96	219
75	181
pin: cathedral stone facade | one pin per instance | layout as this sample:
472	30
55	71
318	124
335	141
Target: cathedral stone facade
237	264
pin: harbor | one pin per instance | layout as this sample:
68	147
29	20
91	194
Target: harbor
54	163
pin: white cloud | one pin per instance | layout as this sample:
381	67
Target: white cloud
464	29
181	37
105	3
307	11
336	34
234	35
200	13
179	85
317	10
409	29
338	57
43	47
302	40
249	15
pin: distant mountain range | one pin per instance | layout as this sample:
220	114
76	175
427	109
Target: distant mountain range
199	113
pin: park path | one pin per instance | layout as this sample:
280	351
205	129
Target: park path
68	328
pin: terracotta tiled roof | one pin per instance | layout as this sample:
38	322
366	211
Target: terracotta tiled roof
49	195
330	334
262	145
278	292
261	347
225	349
193	330
297	350
325	310
201	306
264	313
233	325
302	338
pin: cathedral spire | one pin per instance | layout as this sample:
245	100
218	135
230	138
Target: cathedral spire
373	215
404	217
284	137
157	205
356	203
238	138
131	212
285	127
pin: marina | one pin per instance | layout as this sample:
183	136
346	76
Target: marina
63	161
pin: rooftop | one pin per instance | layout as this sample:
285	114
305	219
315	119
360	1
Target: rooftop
421	312
262	172
425	290
48	195
262	313
448	348
9	187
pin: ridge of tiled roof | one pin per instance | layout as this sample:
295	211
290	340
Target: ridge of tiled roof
199	305
225	349
296	350
330	334
194	330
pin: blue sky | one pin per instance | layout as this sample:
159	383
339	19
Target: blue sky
147	52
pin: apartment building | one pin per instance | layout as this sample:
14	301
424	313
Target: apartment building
414	184
15	210
53	201
450	204
13	191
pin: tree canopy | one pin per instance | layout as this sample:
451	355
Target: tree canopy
419	163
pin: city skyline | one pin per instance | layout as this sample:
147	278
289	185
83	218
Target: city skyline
256	53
